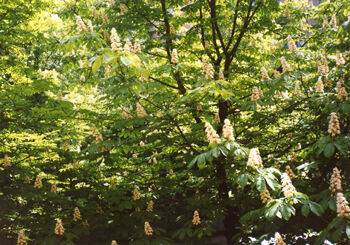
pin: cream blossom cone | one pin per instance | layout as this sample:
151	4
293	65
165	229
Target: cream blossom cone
21	240
59	230
254	159
196	219
335	183
212	135
334	126
148	229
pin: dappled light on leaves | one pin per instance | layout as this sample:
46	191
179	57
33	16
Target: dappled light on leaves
119	112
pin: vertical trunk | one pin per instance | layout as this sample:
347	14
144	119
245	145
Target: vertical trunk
223	187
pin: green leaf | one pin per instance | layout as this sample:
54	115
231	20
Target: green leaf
111	60
193	162
223	150
307	165
332	204
201	160
251	216
260	183
182	234
336	235
321	238
316	208
96	65
228	145
242	180
125	60
215	152
285	211
278	214
272	183
347	231
272	211
335	222
342	148
345	108
329	150
305	210
321	144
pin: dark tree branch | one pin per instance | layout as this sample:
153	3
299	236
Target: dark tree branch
203	34
244	29
185	139
215	25
157	55
169	48
214	36
164	83
168	44
234	25
147	19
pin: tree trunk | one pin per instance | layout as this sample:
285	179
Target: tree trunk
223	187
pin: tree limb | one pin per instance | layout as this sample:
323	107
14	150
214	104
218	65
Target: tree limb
164	83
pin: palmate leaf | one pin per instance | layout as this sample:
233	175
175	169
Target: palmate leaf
329	150
216	151
260	183
97	64
315	208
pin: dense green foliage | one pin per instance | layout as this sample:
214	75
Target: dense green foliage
110	131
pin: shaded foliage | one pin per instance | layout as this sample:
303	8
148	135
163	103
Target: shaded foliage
99	123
